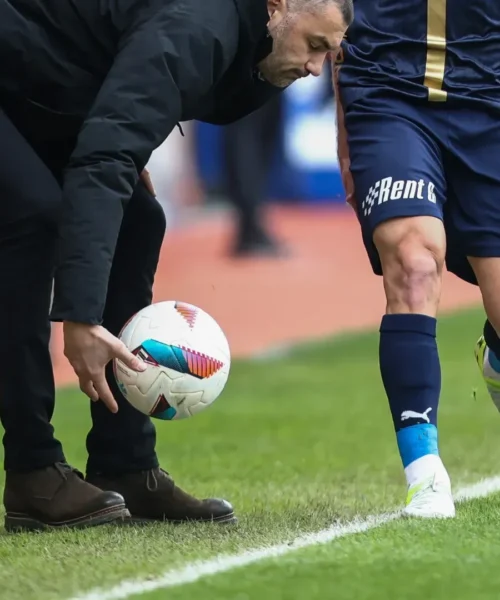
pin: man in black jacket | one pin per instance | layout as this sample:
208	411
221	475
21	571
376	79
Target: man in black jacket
88	89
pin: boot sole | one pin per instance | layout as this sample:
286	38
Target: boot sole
230	519
19	522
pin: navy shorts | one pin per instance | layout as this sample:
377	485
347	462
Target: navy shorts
422	159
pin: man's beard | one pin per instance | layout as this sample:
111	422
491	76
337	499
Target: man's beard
270	67
271	73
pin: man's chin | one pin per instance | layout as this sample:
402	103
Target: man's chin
281	83
284	84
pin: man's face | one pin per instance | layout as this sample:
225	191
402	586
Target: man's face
302	41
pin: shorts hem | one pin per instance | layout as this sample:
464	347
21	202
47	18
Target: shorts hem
483	250
370	223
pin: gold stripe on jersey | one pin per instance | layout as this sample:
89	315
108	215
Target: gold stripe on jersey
436	50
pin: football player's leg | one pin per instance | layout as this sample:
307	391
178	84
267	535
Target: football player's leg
475	179
126	440
121	446
400	189
487	350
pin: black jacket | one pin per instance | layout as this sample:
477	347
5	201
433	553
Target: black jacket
116	76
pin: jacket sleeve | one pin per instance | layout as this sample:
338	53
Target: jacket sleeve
244	101
139	104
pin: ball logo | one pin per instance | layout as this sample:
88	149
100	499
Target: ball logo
200	365
188	311
178	358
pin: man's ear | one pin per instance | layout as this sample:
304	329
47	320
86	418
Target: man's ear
276	6
277	10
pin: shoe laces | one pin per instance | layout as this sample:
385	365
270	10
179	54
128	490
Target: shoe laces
152	483
64	469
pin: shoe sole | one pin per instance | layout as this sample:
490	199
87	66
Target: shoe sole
409	514
19	522
229	519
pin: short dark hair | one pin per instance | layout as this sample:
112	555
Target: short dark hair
347	10
346	7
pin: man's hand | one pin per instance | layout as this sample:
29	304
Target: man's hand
146	180
343	146
348	183
89	348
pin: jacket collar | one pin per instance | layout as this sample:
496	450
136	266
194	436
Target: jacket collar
253	27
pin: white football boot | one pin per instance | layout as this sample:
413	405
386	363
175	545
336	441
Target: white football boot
431	497
489	367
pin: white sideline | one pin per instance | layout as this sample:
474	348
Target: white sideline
220	564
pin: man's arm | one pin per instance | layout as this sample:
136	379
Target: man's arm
342	146
158	66
342	143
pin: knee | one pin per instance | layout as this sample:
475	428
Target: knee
152	213
145	214
137	253
156	219
412	254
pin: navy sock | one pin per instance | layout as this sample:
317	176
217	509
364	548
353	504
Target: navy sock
411	373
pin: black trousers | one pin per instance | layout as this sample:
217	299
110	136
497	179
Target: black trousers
248	149
30	200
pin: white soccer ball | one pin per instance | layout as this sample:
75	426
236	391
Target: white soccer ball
187	357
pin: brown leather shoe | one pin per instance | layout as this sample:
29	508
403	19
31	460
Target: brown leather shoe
153	496
55	497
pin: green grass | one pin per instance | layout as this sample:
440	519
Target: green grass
406	560
295	444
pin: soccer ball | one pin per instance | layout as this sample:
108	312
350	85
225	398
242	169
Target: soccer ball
187	357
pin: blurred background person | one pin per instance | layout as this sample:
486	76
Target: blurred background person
249	146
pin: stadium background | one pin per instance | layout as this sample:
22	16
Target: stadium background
324	287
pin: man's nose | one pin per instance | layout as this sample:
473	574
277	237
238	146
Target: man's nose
315	65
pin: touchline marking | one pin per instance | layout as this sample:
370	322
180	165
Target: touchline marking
206	568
